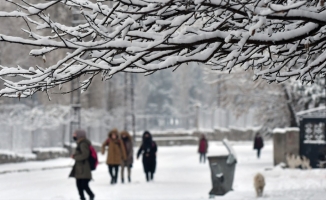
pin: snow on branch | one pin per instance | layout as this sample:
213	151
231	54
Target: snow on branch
277	39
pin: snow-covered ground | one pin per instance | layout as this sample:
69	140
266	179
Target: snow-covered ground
179	177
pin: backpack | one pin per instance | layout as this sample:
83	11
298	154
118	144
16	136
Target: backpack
93	161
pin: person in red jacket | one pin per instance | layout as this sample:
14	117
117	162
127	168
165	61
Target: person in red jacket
202	149
258	144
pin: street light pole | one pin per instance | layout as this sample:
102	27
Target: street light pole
132	92
125	125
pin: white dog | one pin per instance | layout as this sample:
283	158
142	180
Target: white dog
295	161
305	163
259	183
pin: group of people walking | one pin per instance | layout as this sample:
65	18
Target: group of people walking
119	154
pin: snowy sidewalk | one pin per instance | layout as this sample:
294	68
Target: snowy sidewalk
179	177
39	165
35	165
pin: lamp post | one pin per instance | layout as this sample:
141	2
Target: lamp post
74	121
197	116
75	117
132	92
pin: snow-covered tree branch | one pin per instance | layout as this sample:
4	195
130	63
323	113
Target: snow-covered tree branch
276	105
277	39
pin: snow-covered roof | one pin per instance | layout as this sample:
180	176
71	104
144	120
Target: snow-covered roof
314	112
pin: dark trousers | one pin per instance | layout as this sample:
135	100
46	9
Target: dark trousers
258	153
202	157
114	171
149	176
149	164
82	185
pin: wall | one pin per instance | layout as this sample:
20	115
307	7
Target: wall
285	141
232	134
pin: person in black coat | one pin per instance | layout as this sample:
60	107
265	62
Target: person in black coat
258	144
148	148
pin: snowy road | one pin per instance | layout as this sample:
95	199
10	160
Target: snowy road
179	177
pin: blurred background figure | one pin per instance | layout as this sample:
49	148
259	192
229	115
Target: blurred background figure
202	148
148	148
82	169
128	145
116	154
258	144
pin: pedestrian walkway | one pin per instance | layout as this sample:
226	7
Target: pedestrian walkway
179	177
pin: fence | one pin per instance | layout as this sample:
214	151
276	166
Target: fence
24	128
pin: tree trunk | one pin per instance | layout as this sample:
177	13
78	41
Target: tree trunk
293	120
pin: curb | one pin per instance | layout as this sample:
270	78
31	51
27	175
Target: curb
37	169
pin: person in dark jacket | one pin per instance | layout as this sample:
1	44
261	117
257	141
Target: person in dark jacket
128	145
82	169
258	144
202	148
148	148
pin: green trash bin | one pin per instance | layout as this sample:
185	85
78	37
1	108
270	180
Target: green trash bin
222	171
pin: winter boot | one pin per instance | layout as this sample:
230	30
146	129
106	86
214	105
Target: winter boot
129	179
122	180
112	181
92	198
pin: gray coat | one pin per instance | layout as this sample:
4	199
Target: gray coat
82	168
129	151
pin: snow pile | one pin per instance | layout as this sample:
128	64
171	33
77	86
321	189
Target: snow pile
52	149
12	157
50	153
232	155
37	154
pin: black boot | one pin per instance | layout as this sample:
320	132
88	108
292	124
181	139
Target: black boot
147	177
92	198
122	180
112	181
129	179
